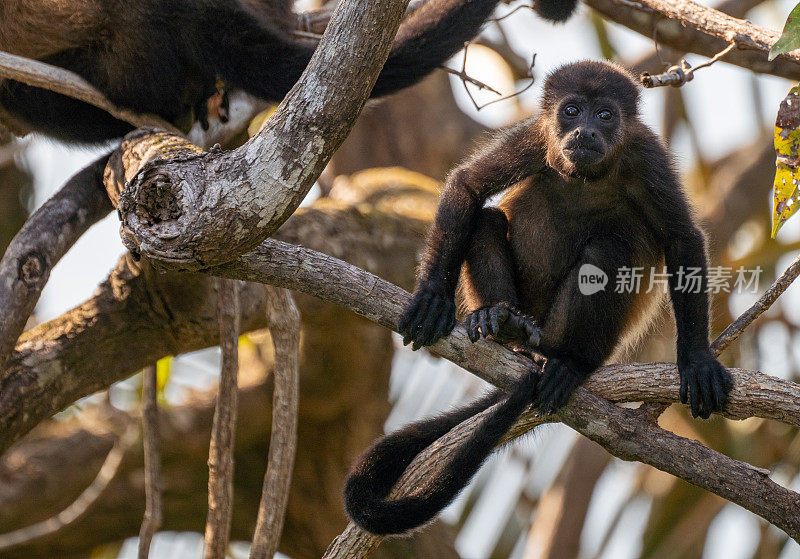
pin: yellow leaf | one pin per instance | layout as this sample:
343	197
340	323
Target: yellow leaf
786	194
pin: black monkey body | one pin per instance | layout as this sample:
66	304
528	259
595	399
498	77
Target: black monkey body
591	190
164	57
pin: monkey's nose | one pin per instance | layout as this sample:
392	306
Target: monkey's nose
583	133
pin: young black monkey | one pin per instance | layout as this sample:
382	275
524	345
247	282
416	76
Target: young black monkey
165	57
591	190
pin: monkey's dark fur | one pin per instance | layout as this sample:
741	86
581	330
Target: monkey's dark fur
588	183
164	57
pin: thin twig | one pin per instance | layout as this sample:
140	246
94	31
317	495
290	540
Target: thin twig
738	326
284	325
152	461
681	73
463	76
65	82
79	506
511	13
223	431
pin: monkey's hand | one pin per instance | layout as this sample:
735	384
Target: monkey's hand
430	316
705	383
556	385
503	323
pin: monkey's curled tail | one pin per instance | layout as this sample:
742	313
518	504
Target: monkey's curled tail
367	489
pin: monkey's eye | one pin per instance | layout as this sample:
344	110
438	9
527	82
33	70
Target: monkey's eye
571	110
604	114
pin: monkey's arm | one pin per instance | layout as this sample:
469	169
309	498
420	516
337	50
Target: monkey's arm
581	330
514	155
704	381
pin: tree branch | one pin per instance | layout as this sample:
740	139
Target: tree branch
40	244
284	325
80	505
152	461
690	27
223	431
221	204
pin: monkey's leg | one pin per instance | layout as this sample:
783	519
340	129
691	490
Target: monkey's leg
580	331
431	313
489	285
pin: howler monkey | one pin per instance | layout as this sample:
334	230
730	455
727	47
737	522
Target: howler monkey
165	57
591	193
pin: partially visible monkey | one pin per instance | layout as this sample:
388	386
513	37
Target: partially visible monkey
592	190
165	57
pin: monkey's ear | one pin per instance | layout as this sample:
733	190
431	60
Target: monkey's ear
555	10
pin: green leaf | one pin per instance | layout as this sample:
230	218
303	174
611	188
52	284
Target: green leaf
790	38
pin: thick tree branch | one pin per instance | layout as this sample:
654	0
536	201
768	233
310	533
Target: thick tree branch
82	351
40	244
277	263
690	27
222	204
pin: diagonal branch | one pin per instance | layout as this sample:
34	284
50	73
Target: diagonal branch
625	433
221	204
40	244
764	302
690	27
79	506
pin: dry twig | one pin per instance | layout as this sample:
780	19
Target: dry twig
758	308
679	74
152	461
284	326
79	506
223	431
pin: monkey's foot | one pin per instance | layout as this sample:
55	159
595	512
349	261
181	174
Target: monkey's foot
430	316
556	385
503	323
705	383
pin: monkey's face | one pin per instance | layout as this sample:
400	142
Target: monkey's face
584	132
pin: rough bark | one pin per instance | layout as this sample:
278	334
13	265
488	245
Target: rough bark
420	128
40	244
284	325
202	210
223	429
47	470
162	314
689	27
